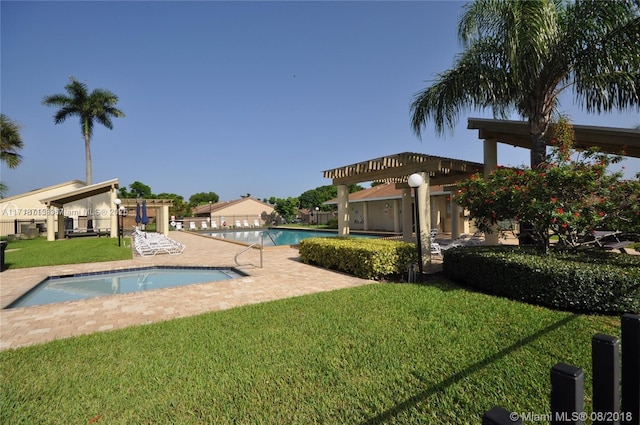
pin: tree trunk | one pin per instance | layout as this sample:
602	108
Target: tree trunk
87	154
537	130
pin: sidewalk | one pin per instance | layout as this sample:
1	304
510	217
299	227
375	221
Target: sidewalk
282	276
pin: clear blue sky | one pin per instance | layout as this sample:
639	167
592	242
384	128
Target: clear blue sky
234	97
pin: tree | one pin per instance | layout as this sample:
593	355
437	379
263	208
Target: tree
99	105
286	208
179	207
137	190
316	197
521	55
10	144
202	198
569	195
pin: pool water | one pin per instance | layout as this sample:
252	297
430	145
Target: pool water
279	237
91	285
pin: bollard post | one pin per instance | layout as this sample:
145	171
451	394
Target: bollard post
605	358
567	394
630	412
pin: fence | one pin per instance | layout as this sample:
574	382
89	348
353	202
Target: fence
15	226
567	385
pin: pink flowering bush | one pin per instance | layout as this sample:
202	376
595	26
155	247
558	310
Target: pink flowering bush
568	196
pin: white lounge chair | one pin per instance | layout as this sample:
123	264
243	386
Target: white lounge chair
435	249
148	244
246	224
203	225
192	225
256	223
214	224
238	225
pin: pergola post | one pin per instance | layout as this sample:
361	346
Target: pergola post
455	218
396	215
490	164
343	210
51	231
162	220
424	210
114	213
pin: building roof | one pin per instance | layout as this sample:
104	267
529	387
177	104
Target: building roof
43	189
619	141
398	167
381	192
204	208
81	193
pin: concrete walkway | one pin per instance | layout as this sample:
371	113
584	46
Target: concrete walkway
282	276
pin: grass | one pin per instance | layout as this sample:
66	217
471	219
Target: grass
381	353
40	252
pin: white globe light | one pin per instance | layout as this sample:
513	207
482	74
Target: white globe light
415	180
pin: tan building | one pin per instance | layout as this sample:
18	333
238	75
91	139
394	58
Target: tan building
248	212
92	208
73	208
380	208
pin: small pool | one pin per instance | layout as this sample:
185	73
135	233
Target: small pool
90	285
280	237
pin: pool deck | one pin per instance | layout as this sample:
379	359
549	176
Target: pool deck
282	276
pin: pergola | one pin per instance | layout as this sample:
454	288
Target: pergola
442	171
611	140
397	169
617	141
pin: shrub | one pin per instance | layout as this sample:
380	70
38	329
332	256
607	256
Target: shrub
366	258
332	223
590	281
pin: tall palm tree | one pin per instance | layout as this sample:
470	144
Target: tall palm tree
522	54
99	105
10	144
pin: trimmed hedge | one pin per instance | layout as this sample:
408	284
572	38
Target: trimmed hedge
590	281
366	258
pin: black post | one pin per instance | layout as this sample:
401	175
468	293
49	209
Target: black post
567	394
605	358
500	416
630	412
119	233
418	235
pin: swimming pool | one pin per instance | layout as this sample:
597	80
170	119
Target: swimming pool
91	285
280	237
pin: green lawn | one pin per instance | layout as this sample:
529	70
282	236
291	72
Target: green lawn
40	252
381	353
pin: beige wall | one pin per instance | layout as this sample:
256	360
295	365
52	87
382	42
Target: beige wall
28	207
248	209
381	215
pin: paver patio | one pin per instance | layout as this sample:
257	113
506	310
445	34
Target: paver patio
282	276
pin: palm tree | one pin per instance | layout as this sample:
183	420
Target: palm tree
522	54
99	105
10	144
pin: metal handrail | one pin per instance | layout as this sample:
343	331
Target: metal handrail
261	244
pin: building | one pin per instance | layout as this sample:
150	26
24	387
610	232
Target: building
73	207
379	208
227	213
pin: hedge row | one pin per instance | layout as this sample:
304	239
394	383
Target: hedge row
366	258
592	282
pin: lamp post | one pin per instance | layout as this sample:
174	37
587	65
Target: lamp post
317	217
415	181
117	201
